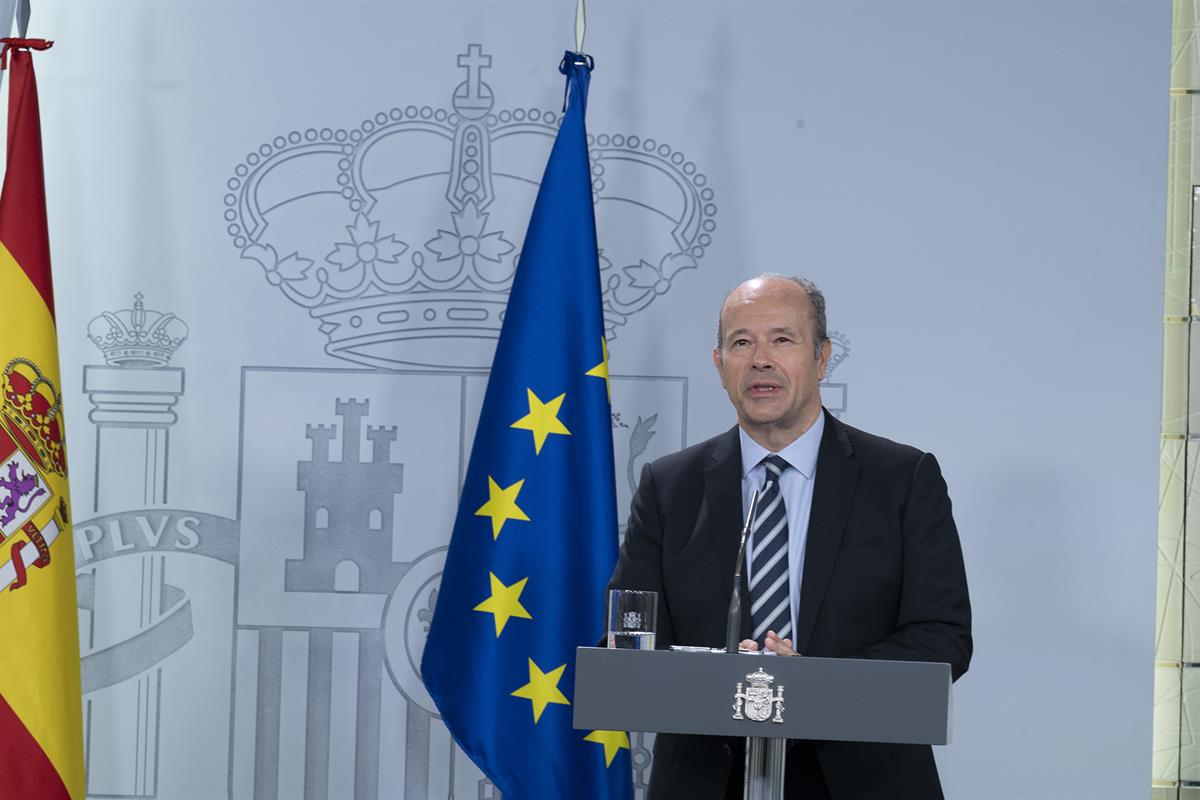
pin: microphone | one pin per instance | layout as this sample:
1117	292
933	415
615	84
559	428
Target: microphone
733	622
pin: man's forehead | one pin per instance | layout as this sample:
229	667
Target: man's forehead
778	328
776	301
767	289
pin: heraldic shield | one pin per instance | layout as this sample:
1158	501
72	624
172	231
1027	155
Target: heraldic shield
757	701
31	450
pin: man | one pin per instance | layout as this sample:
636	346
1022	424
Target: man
854	553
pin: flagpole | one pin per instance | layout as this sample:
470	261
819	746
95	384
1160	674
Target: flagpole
580	25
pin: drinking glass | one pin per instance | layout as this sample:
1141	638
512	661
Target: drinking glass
632	619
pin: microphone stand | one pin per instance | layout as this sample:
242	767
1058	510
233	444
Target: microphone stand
764	756
733	621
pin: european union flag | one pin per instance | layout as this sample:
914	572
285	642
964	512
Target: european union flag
536	534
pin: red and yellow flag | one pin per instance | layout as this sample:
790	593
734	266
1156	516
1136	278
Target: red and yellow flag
41	732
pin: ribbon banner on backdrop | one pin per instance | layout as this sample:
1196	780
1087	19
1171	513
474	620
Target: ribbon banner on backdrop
41	746
535	537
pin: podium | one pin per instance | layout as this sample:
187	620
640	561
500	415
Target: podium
767	699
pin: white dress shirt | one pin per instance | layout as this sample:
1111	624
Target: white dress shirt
796	486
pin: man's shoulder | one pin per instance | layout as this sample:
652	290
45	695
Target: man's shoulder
698	457
872	449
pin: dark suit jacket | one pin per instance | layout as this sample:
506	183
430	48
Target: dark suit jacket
883	578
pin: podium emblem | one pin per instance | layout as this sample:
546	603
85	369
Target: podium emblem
757	701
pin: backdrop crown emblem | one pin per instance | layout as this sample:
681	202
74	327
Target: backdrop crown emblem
401	236
32	414
136	337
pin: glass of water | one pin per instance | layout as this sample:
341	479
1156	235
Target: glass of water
632	619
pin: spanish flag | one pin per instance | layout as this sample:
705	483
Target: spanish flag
41	732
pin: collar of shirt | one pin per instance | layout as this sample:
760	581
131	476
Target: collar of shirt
801	455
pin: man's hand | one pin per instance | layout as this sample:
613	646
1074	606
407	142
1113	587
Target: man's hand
780	647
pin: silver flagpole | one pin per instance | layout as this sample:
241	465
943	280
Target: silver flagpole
580	25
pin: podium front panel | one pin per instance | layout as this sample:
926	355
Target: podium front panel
839	699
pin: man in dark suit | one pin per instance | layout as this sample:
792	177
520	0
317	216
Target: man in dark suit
856	554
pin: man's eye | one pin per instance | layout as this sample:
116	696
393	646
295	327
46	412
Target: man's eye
740	342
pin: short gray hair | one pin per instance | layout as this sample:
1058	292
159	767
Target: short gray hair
815	297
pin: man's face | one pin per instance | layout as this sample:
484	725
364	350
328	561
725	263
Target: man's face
767	362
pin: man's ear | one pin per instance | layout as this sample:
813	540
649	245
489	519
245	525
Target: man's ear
826	351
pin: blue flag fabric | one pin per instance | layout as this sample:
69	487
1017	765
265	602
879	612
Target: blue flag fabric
535	539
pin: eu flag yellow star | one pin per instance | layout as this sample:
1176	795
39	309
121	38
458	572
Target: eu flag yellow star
601	369
613	741
542	419
505	602
542	689
502	505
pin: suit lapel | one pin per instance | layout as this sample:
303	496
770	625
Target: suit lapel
833	492
723	497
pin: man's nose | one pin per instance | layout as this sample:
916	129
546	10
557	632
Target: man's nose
760	360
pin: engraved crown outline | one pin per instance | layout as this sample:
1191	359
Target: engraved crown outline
137	336
342	222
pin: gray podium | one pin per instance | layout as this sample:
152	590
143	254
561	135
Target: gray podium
766	699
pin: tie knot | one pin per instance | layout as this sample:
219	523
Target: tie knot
775	466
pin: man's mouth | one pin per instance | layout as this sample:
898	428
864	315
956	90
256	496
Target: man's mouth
762	389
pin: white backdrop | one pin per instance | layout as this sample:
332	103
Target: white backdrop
978	187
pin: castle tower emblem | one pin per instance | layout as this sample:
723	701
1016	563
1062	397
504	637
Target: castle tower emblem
347	509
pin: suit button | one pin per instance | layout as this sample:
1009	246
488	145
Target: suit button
728	749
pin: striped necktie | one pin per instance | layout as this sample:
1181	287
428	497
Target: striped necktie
770	596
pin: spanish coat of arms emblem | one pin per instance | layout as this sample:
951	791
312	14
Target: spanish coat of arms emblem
30	449
756	701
